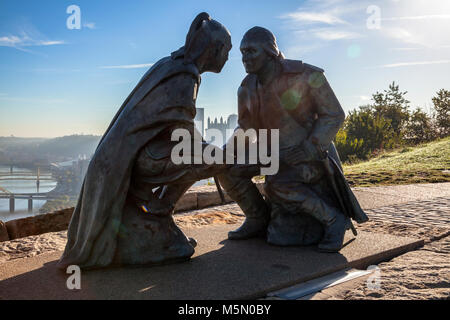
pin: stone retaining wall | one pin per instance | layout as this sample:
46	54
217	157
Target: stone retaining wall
194	198
4	236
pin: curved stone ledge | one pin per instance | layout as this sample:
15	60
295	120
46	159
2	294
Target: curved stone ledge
195	198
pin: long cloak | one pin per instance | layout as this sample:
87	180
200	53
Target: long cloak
96	220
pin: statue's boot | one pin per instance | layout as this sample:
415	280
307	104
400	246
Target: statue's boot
253	227
333	220
334	231
256	212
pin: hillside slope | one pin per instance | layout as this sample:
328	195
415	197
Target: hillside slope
427	163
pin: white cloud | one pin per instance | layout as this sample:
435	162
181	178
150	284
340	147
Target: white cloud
89	25
401	24
360	98
129	66
48	43
406	49
328	12
423	23
9	41
331	34
297	51
416	34
403	35
303	17
425	17
26	41
318	22
419	48
416	63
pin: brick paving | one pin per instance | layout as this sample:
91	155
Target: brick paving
419	274
425	219
435	212
422	274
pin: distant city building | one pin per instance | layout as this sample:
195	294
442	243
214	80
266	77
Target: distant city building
232	121
226	128
200	120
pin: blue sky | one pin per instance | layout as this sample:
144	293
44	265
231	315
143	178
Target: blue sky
55	81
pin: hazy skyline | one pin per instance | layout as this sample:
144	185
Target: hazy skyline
55	81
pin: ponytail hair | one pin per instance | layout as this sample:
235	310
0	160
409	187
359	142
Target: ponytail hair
186	51
195	26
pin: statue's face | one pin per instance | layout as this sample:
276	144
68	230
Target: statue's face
218	54
254	57
223	48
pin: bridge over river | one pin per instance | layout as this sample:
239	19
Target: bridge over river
25	176
14	174
25	196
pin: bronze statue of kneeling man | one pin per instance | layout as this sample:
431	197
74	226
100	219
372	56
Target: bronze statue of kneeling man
124	211
308	201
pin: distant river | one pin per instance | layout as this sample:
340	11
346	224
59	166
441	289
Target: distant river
22	186
29	186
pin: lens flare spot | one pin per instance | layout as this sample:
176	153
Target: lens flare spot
290	99
353	51
316	79
144	208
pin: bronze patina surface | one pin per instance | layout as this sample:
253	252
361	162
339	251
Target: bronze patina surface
121	217
308	201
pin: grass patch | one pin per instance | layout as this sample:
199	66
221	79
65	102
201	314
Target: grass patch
427	163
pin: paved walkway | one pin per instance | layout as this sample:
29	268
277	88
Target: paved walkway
374	197
422	209
220	269
424	213
423	273
415	211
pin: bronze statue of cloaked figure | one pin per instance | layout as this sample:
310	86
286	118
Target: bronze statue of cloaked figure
124	211
308	201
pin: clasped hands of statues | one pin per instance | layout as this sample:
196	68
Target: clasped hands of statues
294	156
